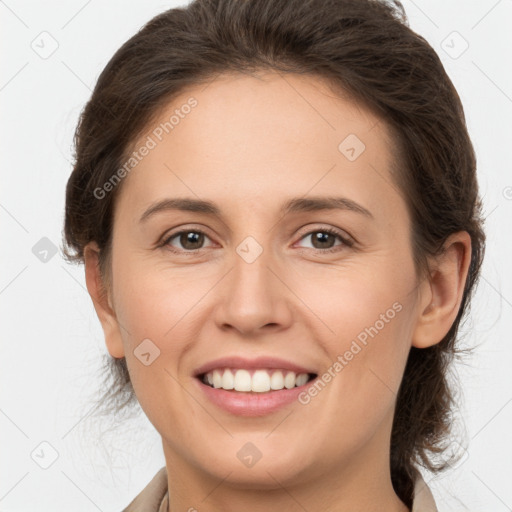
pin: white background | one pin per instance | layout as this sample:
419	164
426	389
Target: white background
51	339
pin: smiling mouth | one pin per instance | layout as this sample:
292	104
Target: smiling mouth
254	381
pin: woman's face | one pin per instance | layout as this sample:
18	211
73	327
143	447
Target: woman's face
256	274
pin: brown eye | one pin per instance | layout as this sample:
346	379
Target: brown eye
324	240
188	240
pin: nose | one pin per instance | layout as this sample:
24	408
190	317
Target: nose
254	296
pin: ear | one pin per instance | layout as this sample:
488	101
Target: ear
441	293
102	300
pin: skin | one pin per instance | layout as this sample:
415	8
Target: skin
249	145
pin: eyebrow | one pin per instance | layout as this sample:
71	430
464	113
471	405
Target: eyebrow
299	204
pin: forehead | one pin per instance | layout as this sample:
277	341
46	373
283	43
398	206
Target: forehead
262	136
301	106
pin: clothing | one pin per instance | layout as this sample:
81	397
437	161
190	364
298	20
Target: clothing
154	498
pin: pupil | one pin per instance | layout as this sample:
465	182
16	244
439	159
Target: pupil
191	238
322	237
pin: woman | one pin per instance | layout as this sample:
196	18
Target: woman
277	208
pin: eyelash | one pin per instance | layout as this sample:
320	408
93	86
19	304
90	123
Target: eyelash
345	241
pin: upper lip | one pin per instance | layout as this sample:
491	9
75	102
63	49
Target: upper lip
261	362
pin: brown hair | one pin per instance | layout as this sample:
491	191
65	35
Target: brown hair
362	47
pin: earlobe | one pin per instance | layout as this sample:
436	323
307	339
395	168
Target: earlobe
102	301
441	295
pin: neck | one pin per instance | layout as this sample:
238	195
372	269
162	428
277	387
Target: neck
361	483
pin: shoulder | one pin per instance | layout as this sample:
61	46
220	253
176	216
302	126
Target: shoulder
150	498
423	499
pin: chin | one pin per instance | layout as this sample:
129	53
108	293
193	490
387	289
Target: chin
266	467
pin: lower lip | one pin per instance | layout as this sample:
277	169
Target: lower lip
252	403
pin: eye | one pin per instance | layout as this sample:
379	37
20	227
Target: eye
324	240
190	240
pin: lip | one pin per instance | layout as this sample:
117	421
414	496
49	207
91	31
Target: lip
262	362
252	404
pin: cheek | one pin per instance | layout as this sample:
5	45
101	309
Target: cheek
153	302
360	300
368	317
368	352
165	306
156	311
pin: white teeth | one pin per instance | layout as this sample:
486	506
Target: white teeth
228	380
242	380
301	379
277	380
289	380
261	381
217	379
